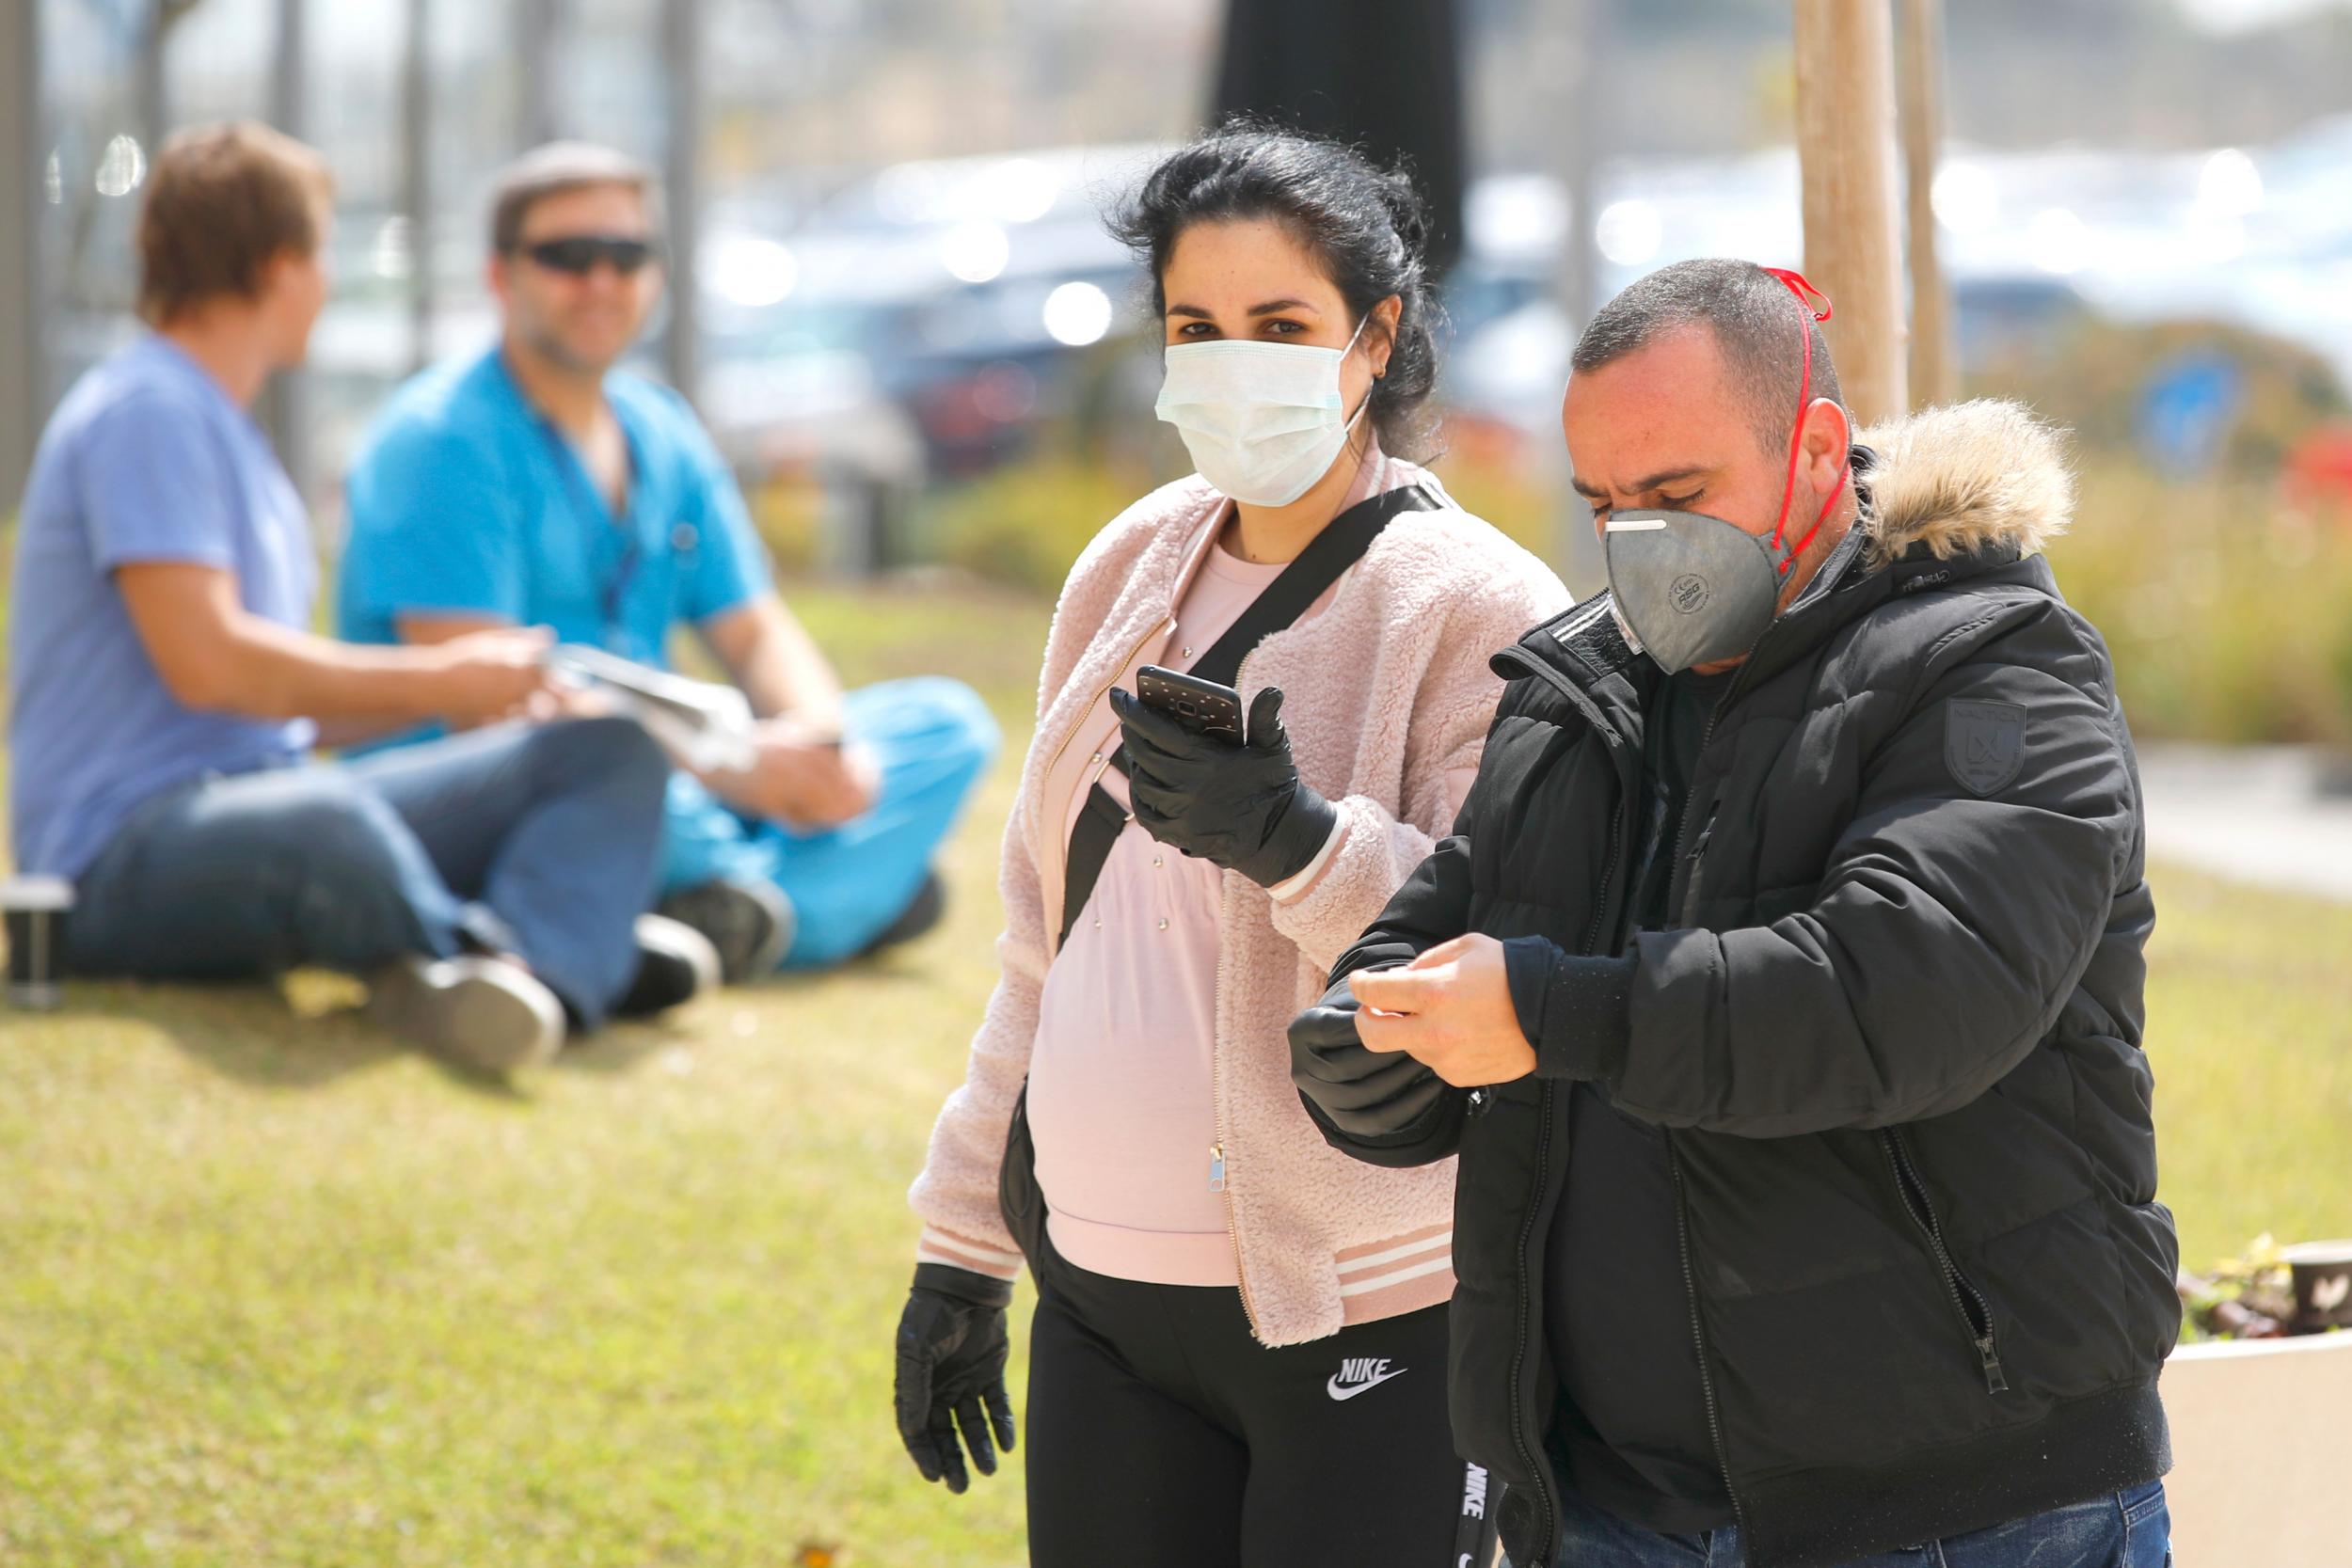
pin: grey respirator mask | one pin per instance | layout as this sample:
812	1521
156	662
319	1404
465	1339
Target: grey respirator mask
1690	589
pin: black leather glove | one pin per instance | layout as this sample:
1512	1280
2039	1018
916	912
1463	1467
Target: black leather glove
1241	807
951	1372
1365	1093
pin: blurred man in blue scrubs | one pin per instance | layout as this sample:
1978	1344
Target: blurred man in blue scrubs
534	485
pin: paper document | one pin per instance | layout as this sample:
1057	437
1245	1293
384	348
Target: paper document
709	726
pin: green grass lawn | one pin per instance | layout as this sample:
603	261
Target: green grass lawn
272	1292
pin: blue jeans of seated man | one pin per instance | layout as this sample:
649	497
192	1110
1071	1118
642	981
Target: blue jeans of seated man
539	840
2122	1529
932	738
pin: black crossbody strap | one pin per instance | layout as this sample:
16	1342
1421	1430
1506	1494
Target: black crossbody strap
1325	558
1323	562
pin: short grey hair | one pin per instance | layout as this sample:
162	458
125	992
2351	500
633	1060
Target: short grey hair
559	167
1750	311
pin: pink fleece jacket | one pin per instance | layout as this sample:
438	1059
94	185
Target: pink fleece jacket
1387	694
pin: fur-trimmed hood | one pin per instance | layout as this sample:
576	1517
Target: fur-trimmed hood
1964	476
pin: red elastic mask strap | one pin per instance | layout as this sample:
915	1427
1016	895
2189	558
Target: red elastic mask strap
1807	293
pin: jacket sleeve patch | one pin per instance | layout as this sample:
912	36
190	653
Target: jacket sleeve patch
1984	743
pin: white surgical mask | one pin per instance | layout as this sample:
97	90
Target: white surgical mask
1262	420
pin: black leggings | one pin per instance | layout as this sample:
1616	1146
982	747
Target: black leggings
1162	1435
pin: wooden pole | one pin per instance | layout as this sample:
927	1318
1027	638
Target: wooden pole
1934	362
1569	49
682	63
24	217
1846	145
416	177
536	23
284	399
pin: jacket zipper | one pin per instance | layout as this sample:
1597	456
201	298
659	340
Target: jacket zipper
1601	905
1976	1313
1536	1465
1731	694
1482	1100
1698	864
1220	1180
1698	1331
1577	700
1055	761
1682	833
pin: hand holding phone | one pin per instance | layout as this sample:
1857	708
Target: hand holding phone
1201	706
1196	785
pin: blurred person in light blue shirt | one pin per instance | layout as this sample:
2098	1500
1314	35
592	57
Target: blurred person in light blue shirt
532	483
166	689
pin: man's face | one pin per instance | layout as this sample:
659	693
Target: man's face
1667	428
584	320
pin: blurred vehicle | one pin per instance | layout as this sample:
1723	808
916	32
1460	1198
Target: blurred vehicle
2034	243
1996	315
920	320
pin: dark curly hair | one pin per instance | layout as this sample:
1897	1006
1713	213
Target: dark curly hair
1367	226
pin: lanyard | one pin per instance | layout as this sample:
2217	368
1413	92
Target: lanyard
616	587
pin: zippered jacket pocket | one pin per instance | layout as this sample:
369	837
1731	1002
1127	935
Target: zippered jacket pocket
1974	1310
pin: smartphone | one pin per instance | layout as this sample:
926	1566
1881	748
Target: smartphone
1200	706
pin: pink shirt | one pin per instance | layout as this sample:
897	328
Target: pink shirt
1122	1088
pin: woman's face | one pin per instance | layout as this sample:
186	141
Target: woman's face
1250	280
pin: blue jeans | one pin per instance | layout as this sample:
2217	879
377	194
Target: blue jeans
2124	1530
536	840
932	737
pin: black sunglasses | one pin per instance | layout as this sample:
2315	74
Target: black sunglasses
578	254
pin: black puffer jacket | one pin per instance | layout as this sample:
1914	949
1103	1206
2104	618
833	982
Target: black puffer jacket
1893	1041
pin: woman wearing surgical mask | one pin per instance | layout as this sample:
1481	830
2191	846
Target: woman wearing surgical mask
1238	1355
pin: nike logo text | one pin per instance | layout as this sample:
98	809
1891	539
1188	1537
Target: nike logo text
1358	1373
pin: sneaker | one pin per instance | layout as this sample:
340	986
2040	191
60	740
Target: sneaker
676	963
486	1013
751	923
923	912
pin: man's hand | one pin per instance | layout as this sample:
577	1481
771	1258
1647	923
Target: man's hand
566	701
487	675
806	780
1449	1010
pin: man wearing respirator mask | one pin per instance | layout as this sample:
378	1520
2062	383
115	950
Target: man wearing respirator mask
1779	990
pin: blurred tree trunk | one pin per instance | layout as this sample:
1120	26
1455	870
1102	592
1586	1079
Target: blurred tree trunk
1383	74
152	86
282	399
1934	365
682	68
1845	147
416	176
536	117
24	358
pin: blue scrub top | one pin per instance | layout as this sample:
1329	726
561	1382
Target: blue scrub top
465	501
